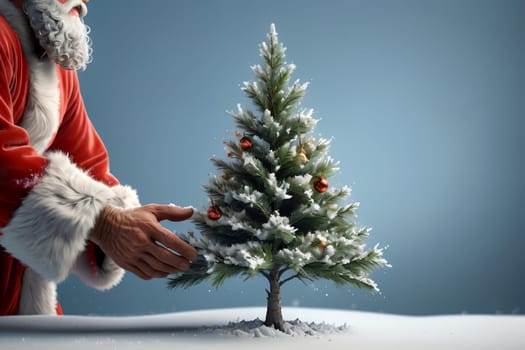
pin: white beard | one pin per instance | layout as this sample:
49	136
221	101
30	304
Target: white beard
63	36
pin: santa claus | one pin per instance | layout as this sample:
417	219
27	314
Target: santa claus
61	210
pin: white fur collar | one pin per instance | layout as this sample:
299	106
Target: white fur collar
41	116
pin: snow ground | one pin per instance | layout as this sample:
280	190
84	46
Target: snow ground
238	328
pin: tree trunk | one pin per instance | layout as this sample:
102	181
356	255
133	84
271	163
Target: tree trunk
274	317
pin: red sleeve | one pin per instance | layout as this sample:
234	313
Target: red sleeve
20	165
77	137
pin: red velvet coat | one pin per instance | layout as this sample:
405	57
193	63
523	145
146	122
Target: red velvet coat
54	177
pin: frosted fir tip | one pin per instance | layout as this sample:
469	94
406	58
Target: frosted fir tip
272	36
272	29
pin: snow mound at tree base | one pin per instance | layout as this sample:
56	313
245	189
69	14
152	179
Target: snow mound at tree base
257	329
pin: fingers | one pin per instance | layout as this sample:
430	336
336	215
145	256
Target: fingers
149	266
145	271
174	242
135	248
167	262
171	212
139	271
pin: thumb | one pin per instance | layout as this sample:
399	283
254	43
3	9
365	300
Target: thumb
172	212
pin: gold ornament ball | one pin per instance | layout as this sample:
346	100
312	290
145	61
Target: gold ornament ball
301	158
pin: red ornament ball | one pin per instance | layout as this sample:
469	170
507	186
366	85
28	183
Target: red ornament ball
245	142
321	185
213	213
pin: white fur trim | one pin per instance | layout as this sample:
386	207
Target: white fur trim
38	296
124	197
41	114
49	230
108	275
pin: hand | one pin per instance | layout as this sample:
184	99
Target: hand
128	237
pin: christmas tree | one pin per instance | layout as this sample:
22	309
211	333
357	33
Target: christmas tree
272	212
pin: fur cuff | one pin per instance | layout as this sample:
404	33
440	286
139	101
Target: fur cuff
108	274
48	232
102	277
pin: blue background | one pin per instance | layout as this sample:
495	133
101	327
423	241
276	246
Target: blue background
425	104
